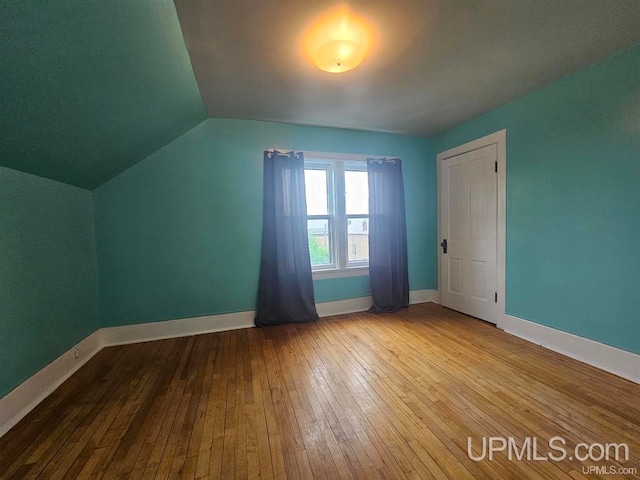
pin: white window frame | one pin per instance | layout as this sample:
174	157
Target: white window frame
332	216
351	165
339	268
336	165
337	161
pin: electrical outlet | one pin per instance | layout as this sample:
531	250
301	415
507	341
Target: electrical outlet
76	353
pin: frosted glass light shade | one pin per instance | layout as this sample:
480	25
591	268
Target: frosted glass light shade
338	56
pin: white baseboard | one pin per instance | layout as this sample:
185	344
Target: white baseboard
25	397
20	401
361	304
424	296
605	357
145	332
340	307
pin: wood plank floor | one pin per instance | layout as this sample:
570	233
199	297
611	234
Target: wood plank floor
357	396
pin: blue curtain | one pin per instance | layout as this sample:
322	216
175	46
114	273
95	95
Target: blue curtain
388	270
285	291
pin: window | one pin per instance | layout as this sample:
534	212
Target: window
337	192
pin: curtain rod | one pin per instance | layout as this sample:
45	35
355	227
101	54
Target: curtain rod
355	157
293	152
279	152
383	160
374	160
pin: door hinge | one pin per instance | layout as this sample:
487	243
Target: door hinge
496	297
496	166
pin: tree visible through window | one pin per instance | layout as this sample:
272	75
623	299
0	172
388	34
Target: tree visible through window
337	194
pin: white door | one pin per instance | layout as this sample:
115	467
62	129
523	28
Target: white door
468	225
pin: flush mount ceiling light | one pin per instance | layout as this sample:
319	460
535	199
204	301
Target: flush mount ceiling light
338	41
338	56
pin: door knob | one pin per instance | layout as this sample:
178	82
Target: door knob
444	245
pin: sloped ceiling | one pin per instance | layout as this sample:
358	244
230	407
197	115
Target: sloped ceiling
90	87
437	63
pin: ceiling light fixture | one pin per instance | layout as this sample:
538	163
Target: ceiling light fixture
338	41
338	56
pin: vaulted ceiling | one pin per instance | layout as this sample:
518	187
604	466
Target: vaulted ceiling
436	64
91	87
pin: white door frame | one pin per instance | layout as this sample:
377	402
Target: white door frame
498	138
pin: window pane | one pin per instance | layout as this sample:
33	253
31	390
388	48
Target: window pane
315	183
356	192
319	245
358	239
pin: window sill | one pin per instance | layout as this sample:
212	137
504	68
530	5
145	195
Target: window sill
340	273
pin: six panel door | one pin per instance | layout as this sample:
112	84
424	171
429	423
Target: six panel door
468	222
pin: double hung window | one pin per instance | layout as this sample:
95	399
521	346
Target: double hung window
337	194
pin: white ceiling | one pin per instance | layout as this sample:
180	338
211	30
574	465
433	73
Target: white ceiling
437	63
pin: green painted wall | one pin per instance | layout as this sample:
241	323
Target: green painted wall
573	200
48	277
178	235
91	87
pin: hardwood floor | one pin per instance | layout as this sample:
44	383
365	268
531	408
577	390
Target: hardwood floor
357	396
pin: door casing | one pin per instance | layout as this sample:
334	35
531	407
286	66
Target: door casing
498	138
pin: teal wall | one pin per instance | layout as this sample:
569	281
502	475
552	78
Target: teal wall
91	87
178	235
48	278
573	200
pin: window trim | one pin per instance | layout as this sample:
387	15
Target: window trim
331	216
337	164
324	274
335	158
353	166
340	266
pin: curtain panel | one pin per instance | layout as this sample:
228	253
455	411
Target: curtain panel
285	290
388	269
